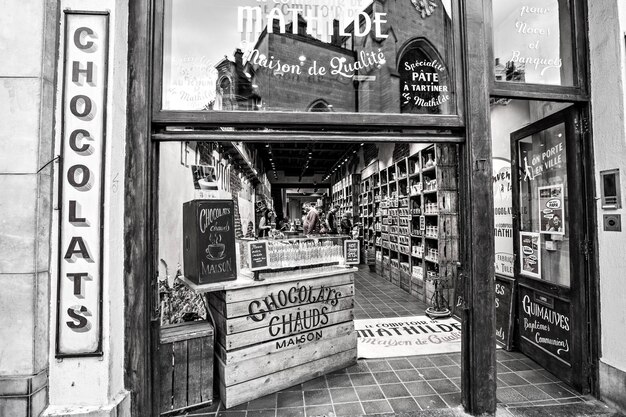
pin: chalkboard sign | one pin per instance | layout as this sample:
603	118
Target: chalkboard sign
352	252
545	321
209	241
505	291
257	252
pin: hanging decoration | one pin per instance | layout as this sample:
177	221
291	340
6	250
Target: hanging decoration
424	7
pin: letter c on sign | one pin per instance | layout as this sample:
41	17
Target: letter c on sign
84	148
79	36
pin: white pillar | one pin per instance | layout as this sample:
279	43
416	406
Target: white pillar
607	26
94	386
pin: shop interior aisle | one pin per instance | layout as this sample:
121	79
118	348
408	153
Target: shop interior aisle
404	385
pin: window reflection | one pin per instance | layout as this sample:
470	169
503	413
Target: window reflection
289	55
543	205
532	41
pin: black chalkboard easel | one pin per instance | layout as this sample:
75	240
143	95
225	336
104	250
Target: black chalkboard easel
505	313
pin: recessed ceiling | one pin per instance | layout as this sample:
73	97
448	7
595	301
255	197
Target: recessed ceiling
298	159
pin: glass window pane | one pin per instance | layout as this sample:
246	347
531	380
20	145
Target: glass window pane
533	41
544	227
309	55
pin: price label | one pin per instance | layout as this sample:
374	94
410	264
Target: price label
352	252
257	252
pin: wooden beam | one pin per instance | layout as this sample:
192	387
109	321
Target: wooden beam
319	137
255	119
139	222
478	368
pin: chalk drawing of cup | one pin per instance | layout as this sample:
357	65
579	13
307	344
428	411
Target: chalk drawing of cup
215	250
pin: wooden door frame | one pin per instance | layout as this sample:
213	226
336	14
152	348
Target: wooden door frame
577	293
141	216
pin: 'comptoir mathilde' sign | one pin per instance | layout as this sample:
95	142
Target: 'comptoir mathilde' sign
79	299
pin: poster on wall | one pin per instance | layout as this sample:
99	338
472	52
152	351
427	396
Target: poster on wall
503	217
204	177
551	213
246	213
530	254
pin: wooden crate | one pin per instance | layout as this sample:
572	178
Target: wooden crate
405	281
448	226
185	366
266	343
447	178
417	287
395	276
369	255
447	155
448	202
387	273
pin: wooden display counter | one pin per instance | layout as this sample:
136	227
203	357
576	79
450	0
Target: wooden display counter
280	332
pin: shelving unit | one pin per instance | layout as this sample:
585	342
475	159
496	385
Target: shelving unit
346	193
368	230
415	206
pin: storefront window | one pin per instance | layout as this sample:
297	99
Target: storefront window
308	55
544	234
532	41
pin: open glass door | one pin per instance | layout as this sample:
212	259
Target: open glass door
549	237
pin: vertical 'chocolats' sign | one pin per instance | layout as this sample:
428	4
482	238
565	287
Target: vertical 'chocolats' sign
209	241
79	299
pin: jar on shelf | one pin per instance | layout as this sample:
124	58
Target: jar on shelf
430	162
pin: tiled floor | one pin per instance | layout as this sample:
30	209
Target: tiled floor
378	298
397	385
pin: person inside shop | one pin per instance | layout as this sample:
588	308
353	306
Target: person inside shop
331	219
346	223
283	224
312	221
265	224
305	212
323	229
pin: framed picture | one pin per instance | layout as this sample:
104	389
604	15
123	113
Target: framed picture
551	213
